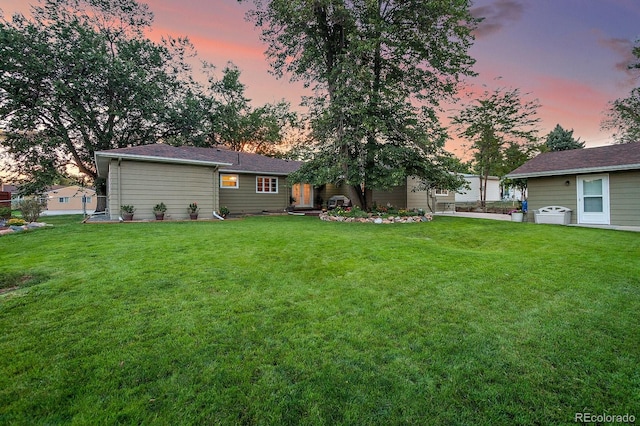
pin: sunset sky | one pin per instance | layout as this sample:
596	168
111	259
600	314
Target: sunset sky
569	54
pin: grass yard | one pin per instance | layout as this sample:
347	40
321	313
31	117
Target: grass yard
290	320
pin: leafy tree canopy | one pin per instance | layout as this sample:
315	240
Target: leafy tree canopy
623	117
80	76
379	70
560	139
502	129
234	123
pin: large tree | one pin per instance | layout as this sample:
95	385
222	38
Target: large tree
496	121
560	139
233	122
379	70
623	117
80	76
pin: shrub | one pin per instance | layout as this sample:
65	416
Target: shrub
31	209
16	221
5	212
160	208
354	211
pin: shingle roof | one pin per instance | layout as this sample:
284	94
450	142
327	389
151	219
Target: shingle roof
588	160
226	159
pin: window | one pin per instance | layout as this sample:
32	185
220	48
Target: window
229	181
266	185
63	200
86	199
442	192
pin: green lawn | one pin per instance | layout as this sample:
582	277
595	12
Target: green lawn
290	320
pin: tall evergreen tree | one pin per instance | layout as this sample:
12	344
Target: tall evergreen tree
560	139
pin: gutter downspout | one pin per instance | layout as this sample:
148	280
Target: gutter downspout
119	187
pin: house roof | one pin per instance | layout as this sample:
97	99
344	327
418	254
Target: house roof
589	160
227	160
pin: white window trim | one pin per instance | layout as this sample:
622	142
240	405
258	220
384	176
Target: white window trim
440	192
230	187
270	179
64	200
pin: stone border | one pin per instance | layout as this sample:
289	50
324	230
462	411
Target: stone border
376	219
29	226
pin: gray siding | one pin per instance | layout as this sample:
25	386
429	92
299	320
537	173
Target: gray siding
245	200
145	184
552	191
624	194
397	197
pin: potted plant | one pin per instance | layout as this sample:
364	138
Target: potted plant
193	210
517	215
292	204
159	210
224	211
127	212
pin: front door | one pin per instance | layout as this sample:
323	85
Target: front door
303	193
593	199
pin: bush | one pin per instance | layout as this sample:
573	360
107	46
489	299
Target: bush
5	212
31	209
354	211
16	221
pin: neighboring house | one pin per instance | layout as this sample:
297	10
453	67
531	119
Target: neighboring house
146	175
601	185
472	195
72	199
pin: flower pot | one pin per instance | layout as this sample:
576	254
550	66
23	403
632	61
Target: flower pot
193	216
517	217
127	217
159	215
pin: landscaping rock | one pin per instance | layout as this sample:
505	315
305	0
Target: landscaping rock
13	229
375	219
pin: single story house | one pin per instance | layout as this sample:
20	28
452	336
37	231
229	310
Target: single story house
143	176
245	183
72	199
600	185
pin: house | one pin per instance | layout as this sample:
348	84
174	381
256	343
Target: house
146	175
601	185
71	199
472	195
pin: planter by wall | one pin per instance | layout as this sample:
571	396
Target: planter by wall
517	217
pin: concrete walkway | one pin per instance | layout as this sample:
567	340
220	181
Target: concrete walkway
494	216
